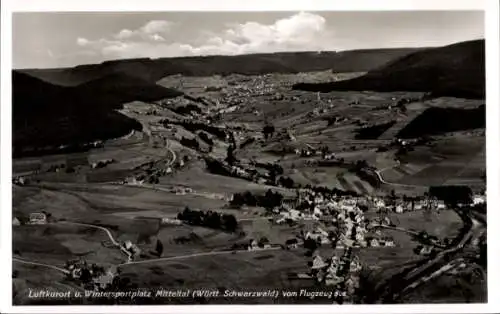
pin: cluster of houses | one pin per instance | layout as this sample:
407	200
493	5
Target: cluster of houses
288	215
154	177
404	205
309	152
133	181
342	273
479	199
180	190
380	242
36	218
91	275
255	245
350	228
420	203
131	250
319	235
304	152
101	163
350	221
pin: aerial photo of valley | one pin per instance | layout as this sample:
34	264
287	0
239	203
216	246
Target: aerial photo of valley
248	158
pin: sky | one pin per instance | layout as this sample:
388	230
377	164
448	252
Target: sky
63	39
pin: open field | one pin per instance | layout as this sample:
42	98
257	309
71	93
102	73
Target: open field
241	271
29	277
55	244
443	223
452	288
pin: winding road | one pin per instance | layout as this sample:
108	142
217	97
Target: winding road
130	262
110	236
18	260
382	180
211	253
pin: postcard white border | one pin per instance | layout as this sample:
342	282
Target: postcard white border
493	142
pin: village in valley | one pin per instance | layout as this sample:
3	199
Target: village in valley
340	224
251	182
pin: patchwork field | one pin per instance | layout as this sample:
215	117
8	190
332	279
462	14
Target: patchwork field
443	223
55	244
449	161
240	271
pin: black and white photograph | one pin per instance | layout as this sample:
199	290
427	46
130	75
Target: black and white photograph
248	157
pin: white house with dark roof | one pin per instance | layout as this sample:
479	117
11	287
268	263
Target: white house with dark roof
318	263
38	218
374	242
478	199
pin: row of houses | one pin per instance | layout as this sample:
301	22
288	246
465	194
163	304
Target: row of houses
255	245
36	218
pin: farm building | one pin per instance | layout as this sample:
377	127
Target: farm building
387	242
53	164
170	221
320	234
133	250
101	163
19	181
399	209
318	263
379	203
374	243
479	199
253	245
292	243
424	250
264	243
437	204
38	218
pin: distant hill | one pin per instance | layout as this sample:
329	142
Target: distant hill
436	121
115	89
456	70
46	116
152	70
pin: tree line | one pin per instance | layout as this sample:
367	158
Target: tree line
269	200
195	126
452	195
209	219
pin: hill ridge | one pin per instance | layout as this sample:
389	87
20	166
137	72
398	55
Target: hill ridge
360	60
455	70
